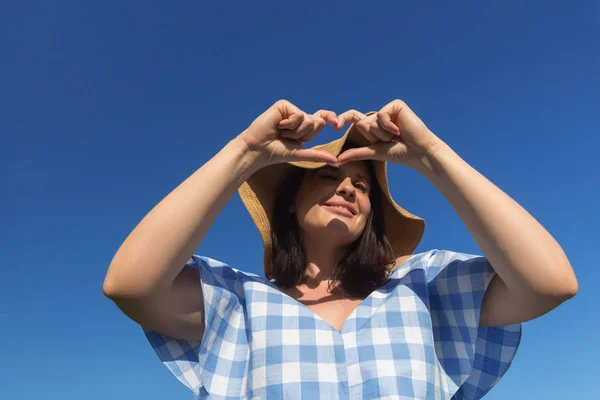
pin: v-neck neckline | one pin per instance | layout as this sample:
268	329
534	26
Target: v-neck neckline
343	329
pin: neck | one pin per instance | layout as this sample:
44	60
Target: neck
321	259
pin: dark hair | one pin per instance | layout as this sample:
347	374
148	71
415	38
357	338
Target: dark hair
363	269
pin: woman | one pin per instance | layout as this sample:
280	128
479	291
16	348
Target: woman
346	311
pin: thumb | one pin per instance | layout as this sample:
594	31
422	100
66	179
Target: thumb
292	121
371	152
392	151
303	154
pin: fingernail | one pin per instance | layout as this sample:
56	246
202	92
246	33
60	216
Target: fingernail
335	165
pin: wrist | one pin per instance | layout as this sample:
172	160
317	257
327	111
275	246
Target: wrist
249	159
431	162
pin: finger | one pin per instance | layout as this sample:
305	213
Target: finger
365	129
360	153
310	124
310	132
307	125
351	116
381	134
292	121
394	108
390	151
290	114
328	116
314	155
384	120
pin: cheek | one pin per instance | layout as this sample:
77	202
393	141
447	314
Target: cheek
307	213
304	203
365	205
309	196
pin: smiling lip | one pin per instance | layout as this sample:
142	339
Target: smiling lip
341	208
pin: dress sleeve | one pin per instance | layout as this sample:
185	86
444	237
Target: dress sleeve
218	362
473	358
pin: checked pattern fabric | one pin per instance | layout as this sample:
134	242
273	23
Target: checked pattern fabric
415	337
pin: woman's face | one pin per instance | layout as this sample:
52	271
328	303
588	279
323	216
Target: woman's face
333	204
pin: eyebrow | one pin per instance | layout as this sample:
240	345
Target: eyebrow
358	174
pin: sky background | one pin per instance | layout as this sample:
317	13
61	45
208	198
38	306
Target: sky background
105	107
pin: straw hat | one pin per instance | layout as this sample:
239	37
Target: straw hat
403	229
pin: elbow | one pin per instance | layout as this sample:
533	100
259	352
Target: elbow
110	290
549	293
556	278
113	291
560	295
570	288
112	287
545	300
565	288
569	285
122	291
119	287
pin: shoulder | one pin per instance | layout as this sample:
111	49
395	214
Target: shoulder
413	259
215	271
436	256
435	261
402	259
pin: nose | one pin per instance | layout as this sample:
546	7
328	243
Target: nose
346	188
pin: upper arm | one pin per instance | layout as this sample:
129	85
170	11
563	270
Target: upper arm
178	312
467	274
501	307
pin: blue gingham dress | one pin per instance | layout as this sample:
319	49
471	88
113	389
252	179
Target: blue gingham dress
416	337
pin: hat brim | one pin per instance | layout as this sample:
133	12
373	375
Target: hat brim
403	229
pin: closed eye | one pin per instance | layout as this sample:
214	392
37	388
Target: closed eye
362	187
328	175
331	175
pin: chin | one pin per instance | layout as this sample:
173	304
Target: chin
333	230
328	226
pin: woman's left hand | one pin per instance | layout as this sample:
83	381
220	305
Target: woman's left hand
396	135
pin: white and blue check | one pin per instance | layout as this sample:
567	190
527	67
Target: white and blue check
416	337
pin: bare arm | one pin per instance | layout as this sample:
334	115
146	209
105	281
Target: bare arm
533	273
145	277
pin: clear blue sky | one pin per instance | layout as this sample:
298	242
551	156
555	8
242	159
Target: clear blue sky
107	106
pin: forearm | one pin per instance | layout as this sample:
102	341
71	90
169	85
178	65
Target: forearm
523	254
156	251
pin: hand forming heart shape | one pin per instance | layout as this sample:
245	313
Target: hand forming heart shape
396	135
395	132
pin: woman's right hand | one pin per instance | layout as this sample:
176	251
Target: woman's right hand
277	135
